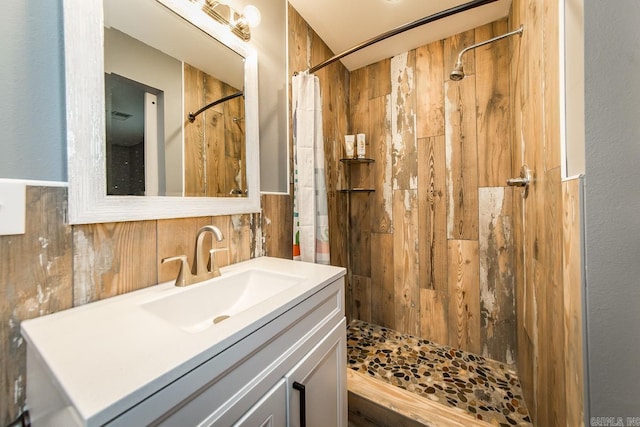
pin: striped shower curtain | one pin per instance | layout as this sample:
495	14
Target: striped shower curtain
310	212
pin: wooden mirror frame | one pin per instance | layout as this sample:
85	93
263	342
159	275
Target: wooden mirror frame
86	148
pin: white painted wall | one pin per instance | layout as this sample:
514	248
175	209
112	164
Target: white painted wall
612	206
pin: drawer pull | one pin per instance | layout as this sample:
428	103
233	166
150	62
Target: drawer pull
303	406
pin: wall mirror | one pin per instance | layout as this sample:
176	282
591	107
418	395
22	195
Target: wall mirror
134	70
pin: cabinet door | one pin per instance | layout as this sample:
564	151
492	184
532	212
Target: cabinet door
317	385
270	411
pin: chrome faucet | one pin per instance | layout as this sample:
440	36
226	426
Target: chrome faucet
200	271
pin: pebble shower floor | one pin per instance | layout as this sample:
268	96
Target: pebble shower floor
485	388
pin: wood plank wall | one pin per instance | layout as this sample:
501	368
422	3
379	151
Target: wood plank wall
55	266
305	50
431	249
547	227
442	248
215	160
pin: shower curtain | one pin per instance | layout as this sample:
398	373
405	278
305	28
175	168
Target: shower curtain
310	212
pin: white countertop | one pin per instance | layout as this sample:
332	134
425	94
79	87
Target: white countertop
108	355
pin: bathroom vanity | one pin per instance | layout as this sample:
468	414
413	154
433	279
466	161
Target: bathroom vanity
262	345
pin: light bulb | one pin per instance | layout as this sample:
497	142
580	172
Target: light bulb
251	15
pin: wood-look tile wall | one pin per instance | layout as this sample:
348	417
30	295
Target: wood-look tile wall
547	227
55	266
215	160
441	247
431	249
305	50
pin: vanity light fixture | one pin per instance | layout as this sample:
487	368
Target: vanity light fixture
240	24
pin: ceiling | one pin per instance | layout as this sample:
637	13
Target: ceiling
343	24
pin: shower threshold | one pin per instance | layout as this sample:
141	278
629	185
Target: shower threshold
398	379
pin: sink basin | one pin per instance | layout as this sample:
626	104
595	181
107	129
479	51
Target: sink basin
203	305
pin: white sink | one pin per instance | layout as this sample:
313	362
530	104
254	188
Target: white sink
203	305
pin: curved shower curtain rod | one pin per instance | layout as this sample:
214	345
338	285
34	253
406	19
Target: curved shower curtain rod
192	116
401	29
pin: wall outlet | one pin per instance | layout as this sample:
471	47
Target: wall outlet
12	207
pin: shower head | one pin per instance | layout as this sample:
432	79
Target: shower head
457	73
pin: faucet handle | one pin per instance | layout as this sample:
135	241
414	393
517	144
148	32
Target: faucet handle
213	266
184	274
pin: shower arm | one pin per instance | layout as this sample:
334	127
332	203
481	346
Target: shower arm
466	49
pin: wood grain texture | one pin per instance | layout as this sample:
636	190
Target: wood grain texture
360	234
305	48
113	258
359	120
543	356
497	298
379	78
194	177
35	280
430	90
234	147
368	413
443	167
573	317
361	297
277	220
453	45
551	338
381	151
239	240
464	295
406	261
358	88
462	159
528	89
215	149
493	123
382	280
407	405
178	237
297	41
434	315
215	160
84	263
403	120
432	229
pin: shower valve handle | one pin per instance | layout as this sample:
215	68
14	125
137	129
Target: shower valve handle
523	180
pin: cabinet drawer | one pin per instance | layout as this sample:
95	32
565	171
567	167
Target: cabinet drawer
221	390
